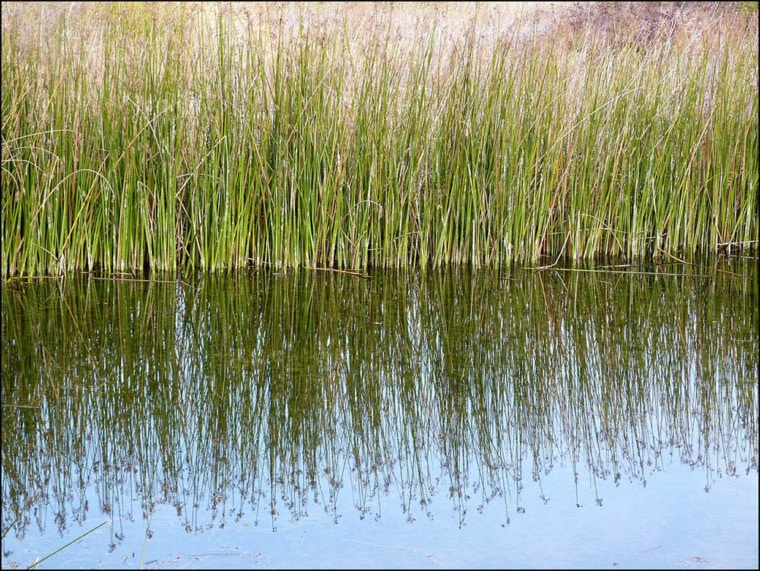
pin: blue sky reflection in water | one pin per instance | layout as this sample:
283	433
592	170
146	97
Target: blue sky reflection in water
518	382
672	523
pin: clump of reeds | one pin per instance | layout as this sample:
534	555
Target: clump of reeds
133	138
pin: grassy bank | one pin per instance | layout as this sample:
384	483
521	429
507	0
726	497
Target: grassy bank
173	138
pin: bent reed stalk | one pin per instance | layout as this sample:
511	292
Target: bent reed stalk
133	139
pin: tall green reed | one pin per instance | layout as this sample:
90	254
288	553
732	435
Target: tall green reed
142	141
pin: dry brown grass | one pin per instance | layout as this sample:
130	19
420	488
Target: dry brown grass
377	29
366	23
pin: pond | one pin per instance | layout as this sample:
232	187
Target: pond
570	417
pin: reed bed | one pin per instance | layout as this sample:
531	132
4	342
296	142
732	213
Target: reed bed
169	138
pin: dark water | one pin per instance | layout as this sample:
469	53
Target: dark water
568	417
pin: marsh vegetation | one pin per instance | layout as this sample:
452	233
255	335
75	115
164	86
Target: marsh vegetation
178	137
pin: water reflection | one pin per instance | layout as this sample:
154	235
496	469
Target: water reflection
267	396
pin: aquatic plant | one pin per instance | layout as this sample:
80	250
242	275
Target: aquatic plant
140	137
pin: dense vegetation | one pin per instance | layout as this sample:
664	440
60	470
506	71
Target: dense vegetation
140	136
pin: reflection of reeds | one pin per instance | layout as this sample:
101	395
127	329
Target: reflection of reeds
279	393
137	137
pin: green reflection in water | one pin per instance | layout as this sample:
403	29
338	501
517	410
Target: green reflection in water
271	394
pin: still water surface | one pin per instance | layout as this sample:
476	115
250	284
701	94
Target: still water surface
512	418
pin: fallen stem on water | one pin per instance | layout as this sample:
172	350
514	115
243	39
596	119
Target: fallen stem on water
33	565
